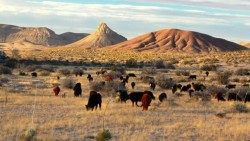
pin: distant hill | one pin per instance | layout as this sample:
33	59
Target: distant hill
38	36
103	37
70	37
175	40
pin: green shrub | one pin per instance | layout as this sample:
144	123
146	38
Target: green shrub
104	135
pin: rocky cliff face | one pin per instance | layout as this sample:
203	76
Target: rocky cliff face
38	36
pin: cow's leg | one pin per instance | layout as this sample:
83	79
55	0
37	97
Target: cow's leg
100	105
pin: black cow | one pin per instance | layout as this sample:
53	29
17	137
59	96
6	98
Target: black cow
133	85
95	99
185	88
90	78
58	77
247	97
198	87
174	88
233	96
190	92
192	77
207	73
152	85
219	96
34	74
123	95
77	90
136	96
131	75
230	86
162	96
121	77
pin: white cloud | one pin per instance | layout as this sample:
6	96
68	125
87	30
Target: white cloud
127	20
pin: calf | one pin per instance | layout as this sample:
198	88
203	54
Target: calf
77	89
162	97
133	85
230	86
219	96
192	77
146	100
95	99
34	74
152	85
56	90
233	96
137	96
131	75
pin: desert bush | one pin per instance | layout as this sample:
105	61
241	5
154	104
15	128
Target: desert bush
122	70
131	62
115	86
241	71
182	73
44	73
240	107
114	74
197	95
147	79
30	68
187	62
47	68
22	73
214	89
223	78
12	63
4	80
27	134
164	81
104	135
77	71
208	67
64	71
5	70
159	64
97	86
148	71
68	83
235	79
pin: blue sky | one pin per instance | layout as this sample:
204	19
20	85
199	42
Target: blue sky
228	19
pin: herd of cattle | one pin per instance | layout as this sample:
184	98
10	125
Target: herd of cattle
145	97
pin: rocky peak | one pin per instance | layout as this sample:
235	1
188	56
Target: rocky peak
103	29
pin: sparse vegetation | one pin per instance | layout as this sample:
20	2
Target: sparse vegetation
242	71
64	71
223	78
208	67
104	135
68	83
164	81
5	70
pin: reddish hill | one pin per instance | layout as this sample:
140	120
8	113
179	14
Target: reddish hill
175	40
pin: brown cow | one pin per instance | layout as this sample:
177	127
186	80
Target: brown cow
56	90
146	100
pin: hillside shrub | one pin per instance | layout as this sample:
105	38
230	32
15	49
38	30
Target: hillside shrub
77	71
68	83
214	89
149	71
131	63
240	107
241	71
182	73
5	70
223	78
104	135
164	81
64	71
208	67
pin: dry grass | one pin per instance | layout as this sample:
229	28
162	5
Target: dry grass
178	118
